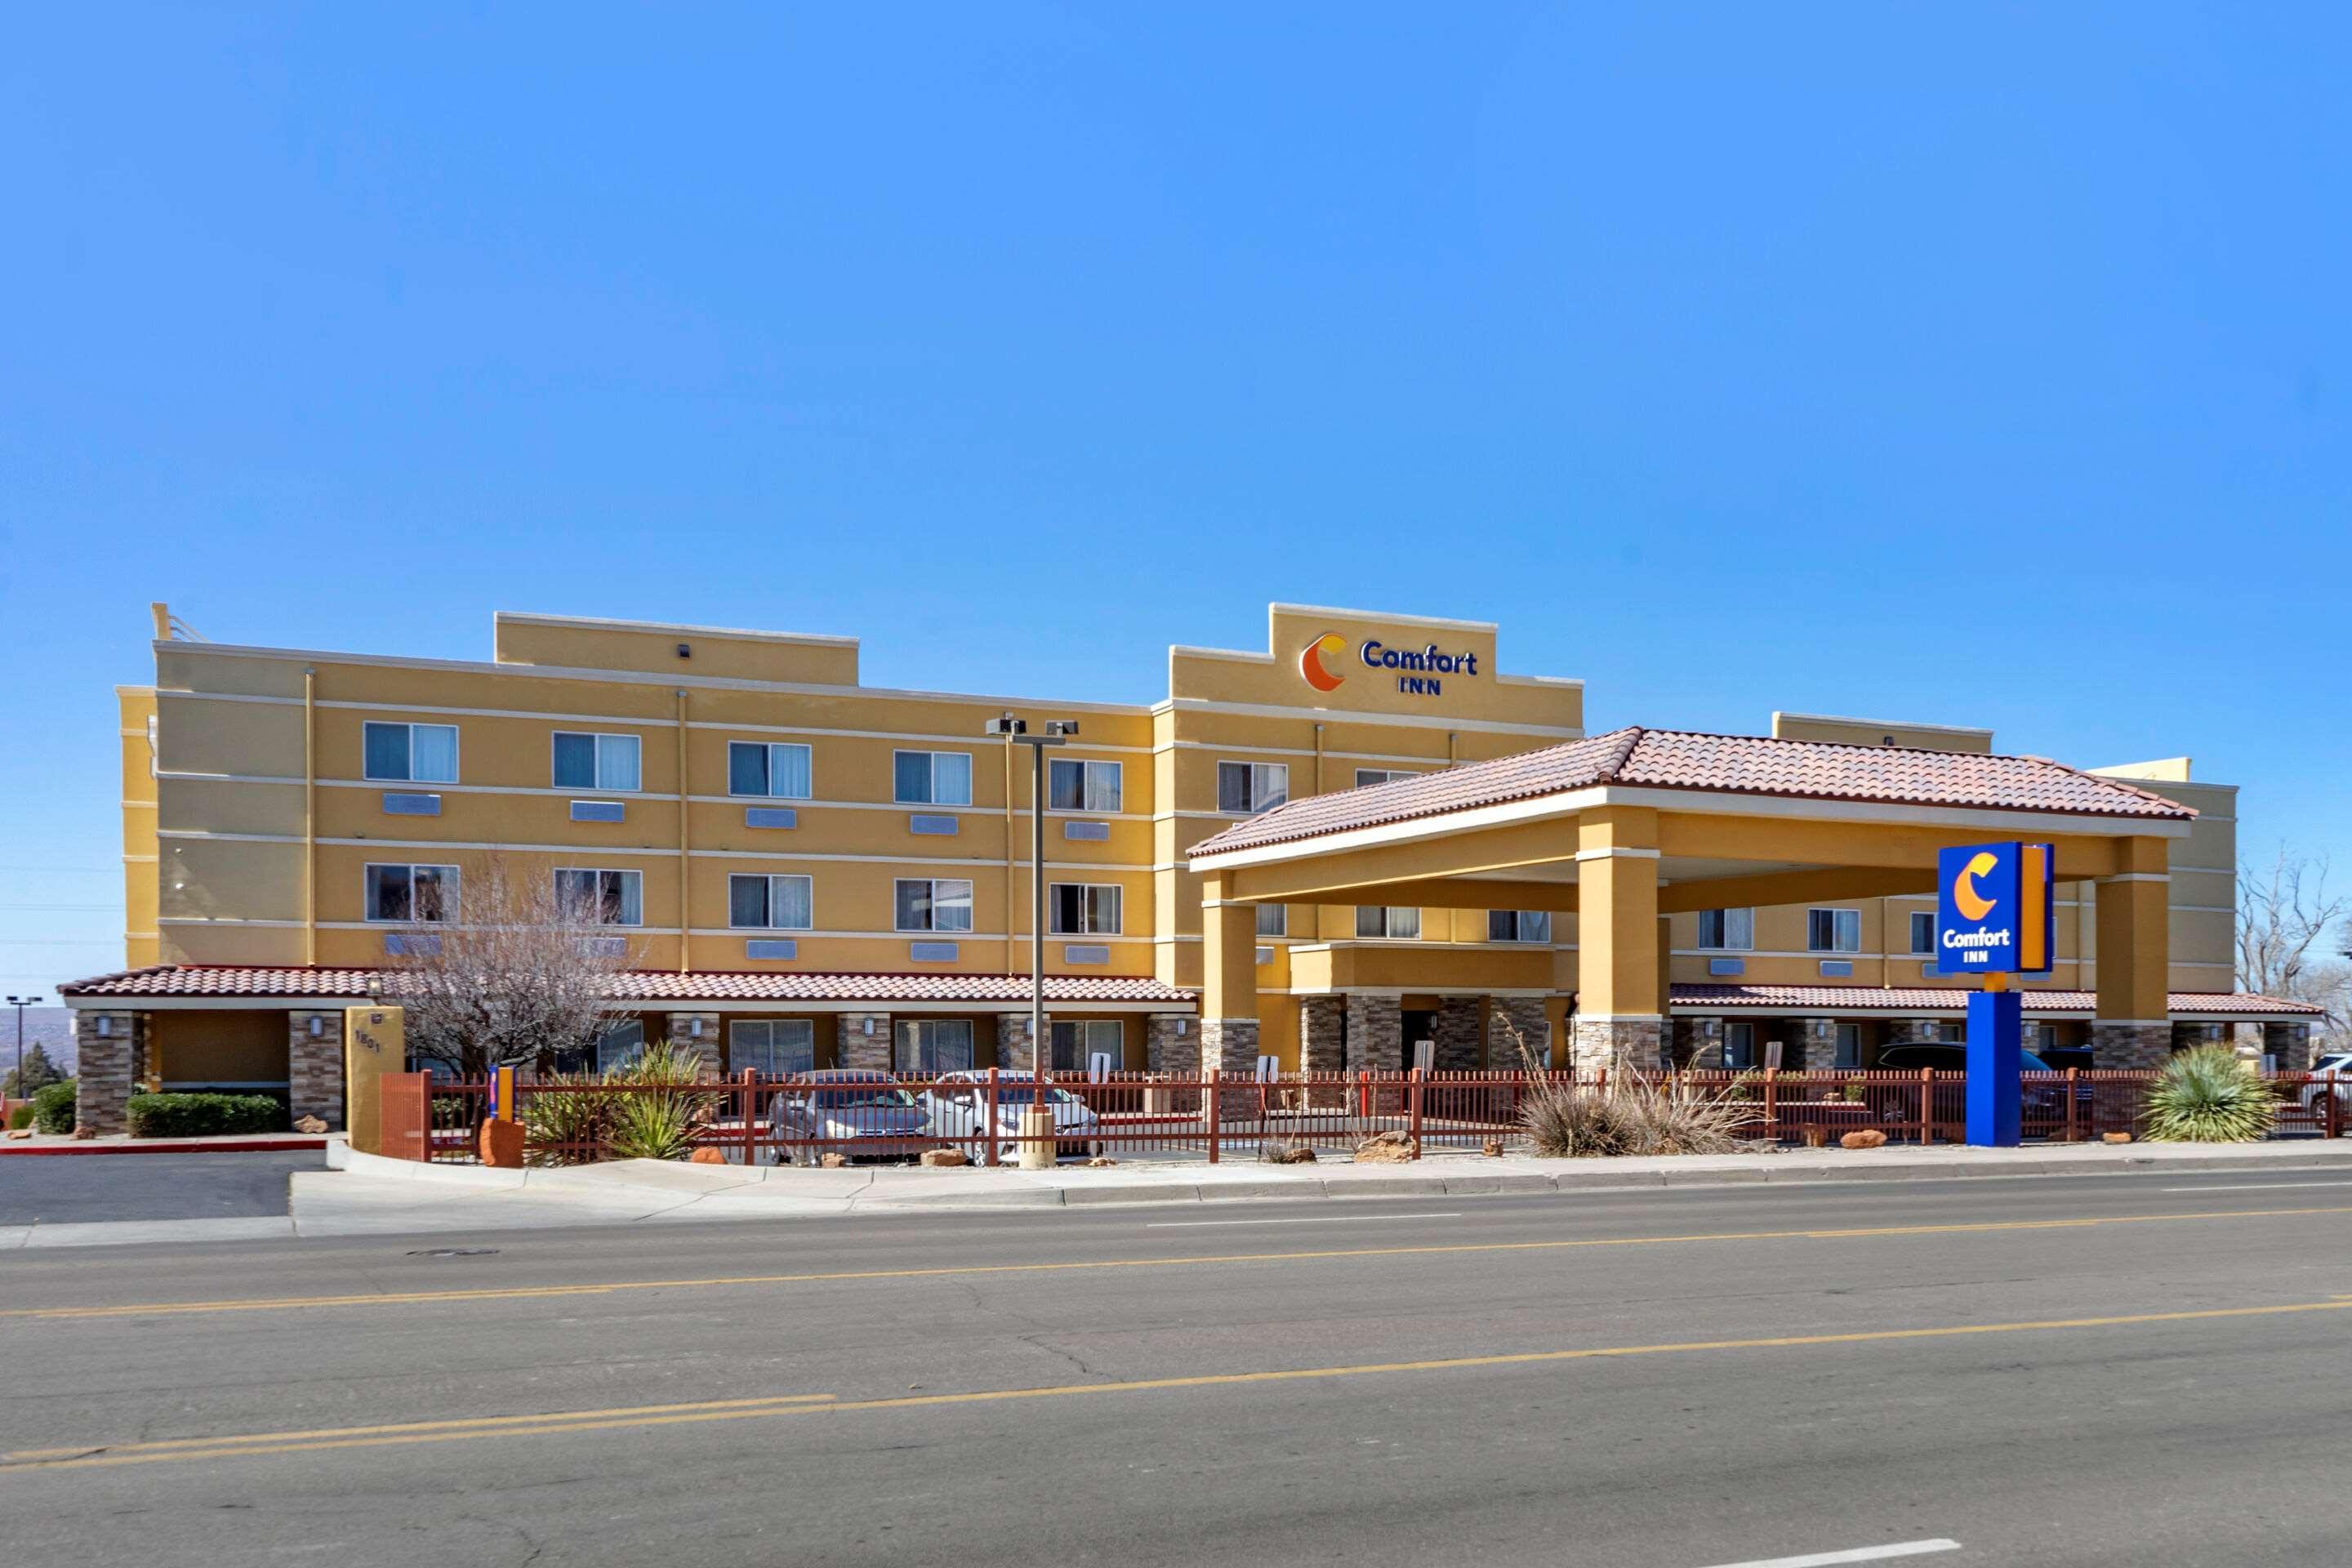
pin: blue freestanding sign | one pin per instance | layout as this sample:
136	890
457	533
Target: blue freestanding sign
1995	917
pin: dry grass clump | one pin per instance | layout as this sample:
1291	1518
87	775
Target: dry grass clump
1633	1115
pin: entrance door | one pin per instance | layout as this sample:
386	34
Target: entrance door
1419	1027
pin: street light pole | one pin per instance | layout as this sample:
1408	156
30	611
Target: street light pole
20	1004
1056	731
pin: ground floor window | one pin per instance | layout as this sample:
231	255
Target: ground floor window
620	1045
1849	1046
1739	1047
773	1047
932	1046
1076	1044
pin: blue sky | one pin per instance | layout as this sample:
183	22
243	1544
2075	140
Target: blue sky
1976	365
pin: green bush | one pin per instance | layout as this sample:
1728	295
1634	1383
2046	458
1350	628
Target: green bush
21	1117
2209	1095
53	1108
569	1122
203	1115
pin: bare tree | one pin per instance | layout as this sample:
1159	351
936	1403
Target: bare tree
2290	934
519	974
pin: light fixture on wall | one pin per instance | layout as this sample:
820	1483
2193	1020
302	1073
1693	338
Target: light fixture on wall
317	1025
105	1028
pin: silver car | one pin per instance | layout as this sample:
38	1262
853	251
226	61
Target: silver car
958	1108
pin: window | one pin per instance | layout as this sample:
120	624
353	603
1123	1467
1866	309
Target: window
1072	786
1076	1044
1248	788
409	894
776	771
621	1045
1371	920
420	753
1273	920
602	898
1082	908
932	1045
1834	930
773	1047
1727	931
597	762
1739	1046
933	905
1381	776
770	904
1923	933
1849	1046
932	778
1519	925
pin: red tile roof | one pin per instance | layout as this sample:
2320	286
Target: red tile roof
351	985
1908	999
1733	765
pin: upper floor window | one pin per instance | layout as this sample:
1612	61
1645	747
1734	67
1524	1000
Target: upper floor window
1273	920
777	771
602	898
1923	933
1249	788
1834	930
1519	925
771	903
597	761
407	895
1373	920
1729	930
1082	908
417	753
1075	785
1380	776
932	778
932	904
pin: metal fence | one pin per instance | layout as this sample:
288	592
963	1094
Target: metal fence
756	1120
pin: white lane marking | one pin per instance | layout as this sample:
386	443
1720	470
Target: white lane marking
1855	1554
1312	1219
2255	1187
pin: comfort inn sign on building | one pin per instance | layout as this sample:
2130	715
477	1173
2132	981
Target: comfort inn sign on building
1994	909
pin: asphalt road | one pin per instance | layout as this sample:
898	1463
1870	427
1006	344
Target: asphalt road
2081	1370
58	1189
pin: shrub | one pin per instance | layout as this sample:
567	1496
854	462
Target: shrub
21	1117
572	1123
204	1115
2208	1096
1633	1115
53	1108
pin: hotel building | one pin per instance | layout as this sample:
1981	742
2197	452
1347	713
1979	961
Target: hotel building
806	871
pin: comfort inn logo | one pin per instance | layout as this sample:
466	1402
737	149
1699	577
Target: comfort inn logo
1418	671
1994	909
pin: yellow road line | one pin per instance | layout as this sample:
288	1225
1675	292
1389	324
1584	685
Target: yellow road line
485	1423
412	1297
601	1421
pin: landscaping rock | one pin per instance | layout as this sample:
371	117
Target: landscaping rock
309	1124
85	1133
20	1132
707	1156
1292	1155
1387	1148
944	1157
2116	1138
1100	1161
832	1162
1492	1149
1868	1138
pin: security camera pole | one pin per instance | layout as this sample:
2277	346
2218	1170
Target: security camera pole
1037	1121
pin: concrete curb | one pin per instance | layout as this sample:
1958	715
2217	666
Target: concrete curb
264	1145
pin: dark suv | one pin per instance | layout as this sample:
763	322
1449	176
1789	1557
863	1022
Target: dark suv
2043	1102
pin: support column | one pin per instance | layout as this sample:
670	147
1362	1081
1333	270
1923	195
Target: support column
1698	1039
1321	1027
113	1051
1228	980
1621	999
314	1065
1526	1014
1172	1044
2290	1043
1375	1034
864	1042
1012	1041
1809	1044
1455	1033
698	1032
2133	1026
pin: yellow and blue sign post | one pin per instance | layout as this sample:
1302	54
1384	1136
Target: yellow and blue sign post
1995	917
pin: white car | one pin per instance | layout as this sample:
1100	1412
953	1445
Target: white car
2314	1095
957	1107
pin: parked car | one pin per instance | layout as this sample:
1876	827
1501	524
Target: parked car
863	1114
2043	1101
958	1107
2314	1095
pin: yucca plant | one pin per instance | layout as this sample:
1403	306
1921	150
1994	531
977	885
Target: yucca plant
2209	1095
658	1119
565	1121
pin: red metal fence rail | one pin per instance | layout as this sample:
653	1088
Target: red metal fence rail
1124	1116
